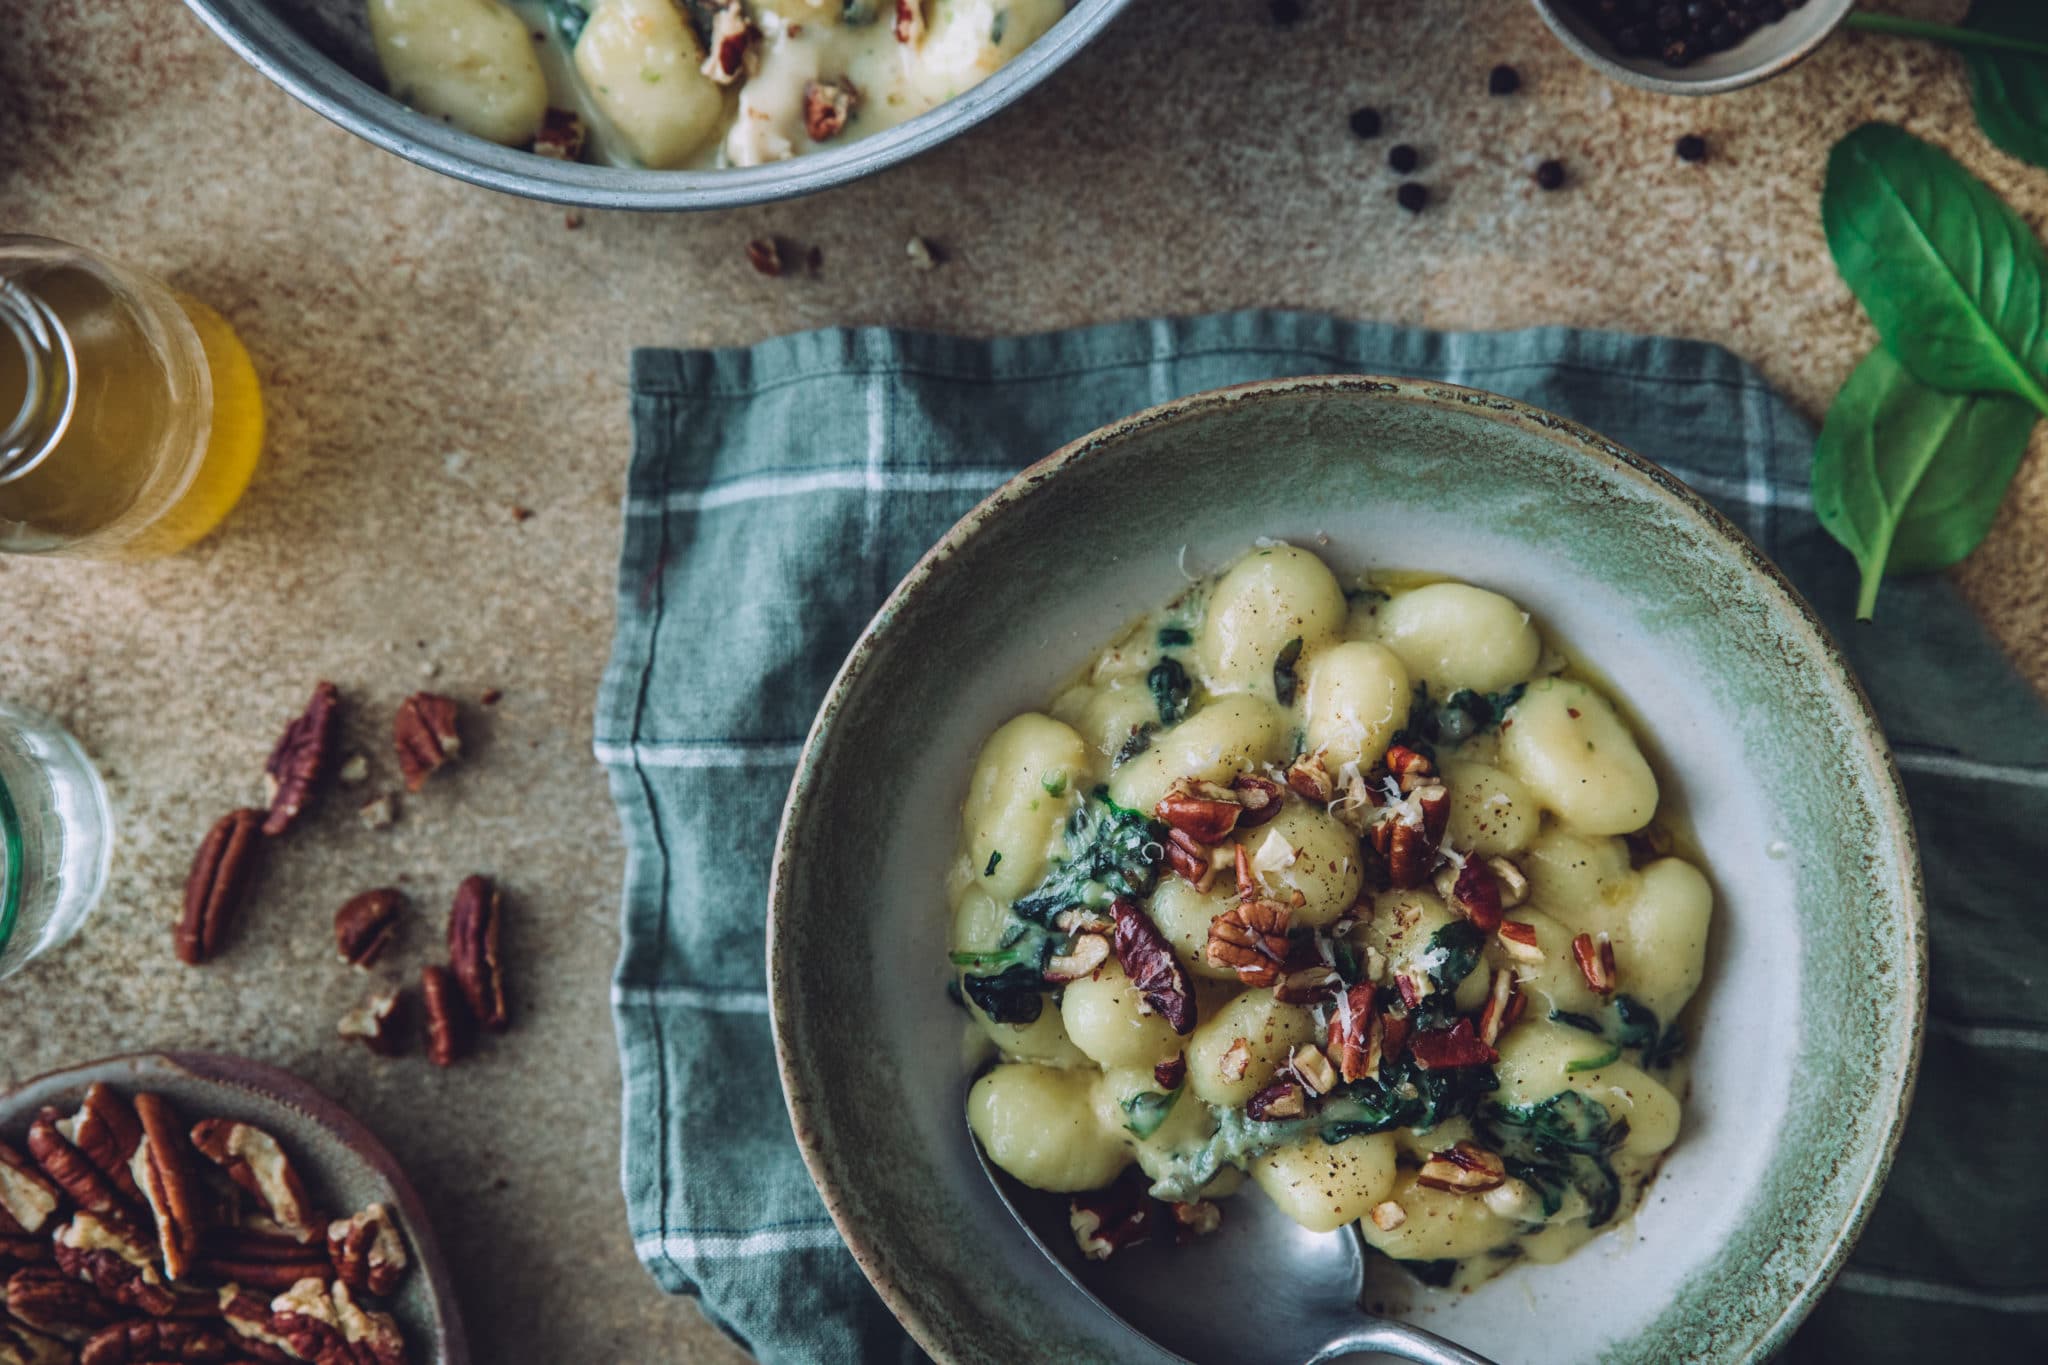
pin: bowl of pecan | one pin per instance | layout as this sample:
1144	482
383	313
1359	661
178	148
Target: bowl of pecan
193	1207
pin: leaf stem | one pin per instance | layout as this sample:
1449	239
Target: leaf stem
1901	27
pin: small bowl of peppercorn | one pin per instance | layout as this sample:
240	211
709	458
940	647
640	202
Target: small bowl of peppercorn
1692	47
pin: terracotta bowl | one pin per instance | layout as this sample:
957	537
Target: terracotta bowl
1808	1028
342	1162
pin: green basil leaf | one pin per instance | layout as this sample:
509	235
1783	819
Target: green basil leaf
1908	478
1956	281
2010	89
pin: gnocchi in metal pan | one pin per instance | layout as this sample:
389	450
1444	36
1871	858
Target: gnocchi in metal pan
1361	892
669	84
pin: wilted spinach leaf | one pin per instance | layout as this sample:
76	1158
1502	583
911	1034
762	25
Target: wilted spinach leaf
1170	688
1111	852
1146	1110
1562	1144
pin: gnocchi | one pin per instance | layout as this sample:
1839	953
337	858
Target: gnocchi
1325	885
695	84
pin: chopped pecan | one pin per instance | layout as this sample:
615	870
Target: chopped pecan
1186	856
1387	1215
1394	1029
561	137
1308	985
54	1303
1250	940
1196	1219
1409	834
1169	1074
765	255
1518	940
1235	1061
1247	882
1456	1046
263	1260
367	1250
450	1030
732	37
473	925
1514	887
106	1130
27	1197
153	1341
1088	952
365	926
1473	890
218	884
254	1160
69	1170
1356	1034
378	1023
1107	1220
299	763
1283	1099
827	107
374	1336
1596	962
1260	797
1410	768
426	735
1504	1005
1311	780
910	21
1313	1069
1464	1168
162	1165
1205	817
1148	960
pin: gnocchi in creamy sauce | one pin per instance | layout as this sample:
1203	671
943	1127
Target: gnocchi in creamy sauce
1359	893
692	83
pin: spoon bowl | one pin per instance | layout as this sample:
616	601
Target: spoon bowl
1202	1301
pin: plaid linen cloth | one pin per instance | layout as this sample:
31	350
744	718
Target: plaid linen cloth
779	491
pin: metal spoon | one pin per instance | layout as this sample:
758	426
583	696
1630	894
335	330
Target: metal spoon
1212	1301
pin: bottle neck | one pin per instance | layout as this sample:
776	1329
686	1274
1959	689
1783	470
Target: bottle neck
38	380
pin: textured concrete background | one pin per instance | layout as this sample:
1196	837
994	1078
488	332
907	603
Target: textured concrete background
436	355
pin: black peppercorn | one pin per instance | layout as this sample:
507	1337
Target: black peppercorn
1365	121
1503	80
1413	196
1285	12
1550	175
1402	158
1692	147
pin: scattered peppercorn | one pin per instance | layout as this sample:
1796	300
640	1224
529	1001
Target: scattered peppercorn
1503	80
1285	12
1550	175
1402	158
1413	196
1365	121
1680	32
1692	147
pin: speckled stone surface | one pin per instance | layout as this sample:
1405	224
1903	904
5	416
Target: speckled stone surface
437	355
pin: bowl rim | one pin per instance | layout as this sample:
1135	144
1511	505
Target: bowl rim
1628	73
265	40
1584	443
274	1085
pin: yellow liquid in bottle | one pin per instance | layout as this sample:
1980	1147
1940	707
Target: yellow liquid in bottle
146	465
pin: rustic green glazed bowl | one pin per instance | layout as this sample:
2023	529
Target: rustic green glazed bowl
1808	1029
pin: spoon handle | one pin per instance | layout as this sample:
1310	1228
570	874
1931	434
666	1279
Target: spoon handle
1399	1340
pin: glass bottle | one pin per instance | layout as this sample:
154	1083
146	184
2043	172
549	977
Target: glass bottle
56	836
130	416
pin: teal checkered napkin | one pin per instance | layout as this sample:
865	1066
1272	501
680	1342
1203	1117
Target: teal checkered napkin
778	492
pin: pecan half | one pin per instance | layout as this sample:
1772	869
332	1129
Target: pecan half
1596	962
427	737
264	1260
162	1166
1250	940
300	762
473	924
26	1195
154	1340
1283	1099
1260	797
374	1336
1148	960
50	1301
1504	1005
1205	818
304	1316
106	1130
1473	891
122	1270
450	1031
378	1023
1446	1049
365	926
1356	1034
69	1170
218	884
1409	834
367	1250
1465	1168
249	1317
254	1160
1107	1220
827	107
561	137
1311	780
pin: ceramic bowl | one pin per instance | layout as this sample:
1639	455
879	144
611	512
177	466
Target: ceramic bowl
343	1164
1771	50
1808	1026
320	52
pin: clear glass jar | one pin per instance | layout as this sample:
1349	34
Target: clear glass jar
130	416
56	836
